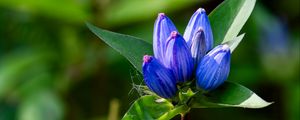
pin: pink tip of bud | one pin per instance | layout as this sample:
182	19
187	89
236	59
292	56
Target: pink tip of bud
147	58
174	34
161	15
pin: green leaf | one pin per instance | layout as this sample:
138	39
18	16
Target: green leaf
228	95
228	19
148	108
130	47
235	42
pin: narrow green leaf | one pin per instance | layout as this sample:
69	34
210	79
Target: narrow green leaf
130	47
148	108
228	19
235	42
228	95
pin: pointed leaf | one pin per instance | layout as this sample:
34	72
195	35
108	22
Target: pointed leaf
228	95
148	108
130	47
228	19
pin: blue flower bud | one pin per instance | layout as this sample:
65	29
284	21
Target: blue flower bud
178	58
162	29
214	68
158	78
198	46
199	20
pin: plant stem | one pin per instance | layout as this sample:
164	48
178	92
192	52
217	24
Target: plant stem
185	116
182	109
182	117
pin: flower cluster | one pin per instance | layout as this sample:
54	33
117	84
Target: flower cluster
178	59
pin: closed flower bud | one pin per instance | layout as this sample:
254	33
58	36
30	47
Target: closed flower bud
158	78
214	68
199	20
178	58
198	46
162	29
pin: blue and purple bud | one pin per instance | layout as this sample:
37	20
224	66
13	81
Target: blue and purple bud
158	78
178	58
197	21
198	46
214	68
162	29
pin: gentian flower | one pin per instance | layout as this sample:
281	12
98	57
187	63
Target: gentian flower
171	49
162	29
176	58
214	68
158	78
198	46
199	22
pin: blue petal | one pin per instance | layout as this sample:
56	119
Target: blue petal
178	58
198	46
199	20
158	78
214	68
162	29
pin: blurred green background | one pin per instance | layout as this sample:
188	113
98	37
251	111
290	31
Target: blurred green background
52	67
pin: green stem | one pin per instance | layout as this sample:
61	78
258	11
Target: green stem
182	109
